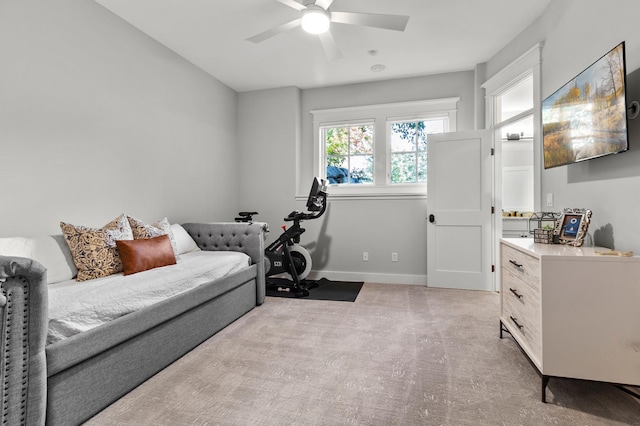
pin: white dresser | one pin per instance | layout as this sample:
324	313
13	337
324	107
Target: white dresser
574	313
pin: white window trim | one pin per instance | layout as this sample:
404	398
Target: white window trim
380	114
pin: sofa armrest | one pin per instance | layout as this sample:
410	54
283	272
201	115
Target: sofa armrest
235	236
24	311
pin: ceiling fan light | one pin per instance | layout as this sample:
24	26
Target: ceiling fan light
315	20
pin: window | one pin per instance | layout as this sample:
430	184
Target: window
379	150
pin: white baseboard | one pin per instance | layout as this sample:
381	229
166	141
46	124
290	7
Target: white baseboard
369	277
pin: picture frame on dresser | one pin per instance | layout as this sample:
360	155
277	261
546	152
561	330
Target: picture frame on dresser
572	226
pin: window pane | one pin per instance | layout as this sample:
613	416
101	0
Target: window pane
434	126
337	174
403	168
517	99
361	139
337	140
337	161
362	169
349	153
422	167
403	137
521	129
422	136
429	127
409	149
336	169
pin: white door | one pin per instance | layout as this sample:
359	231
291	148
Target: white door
459	194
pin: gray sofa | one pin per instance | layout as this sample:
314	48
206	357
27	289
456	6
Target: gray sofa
69	381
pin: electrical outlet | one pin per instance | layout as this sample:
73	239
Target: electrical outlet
394	257
365	256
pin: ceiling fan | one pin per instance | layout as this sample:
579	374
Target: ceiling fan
316	19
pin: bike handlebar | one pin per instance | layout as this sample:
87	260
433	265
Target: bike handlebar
296	216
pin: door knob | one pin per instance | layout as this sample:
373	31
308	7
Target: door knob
432	218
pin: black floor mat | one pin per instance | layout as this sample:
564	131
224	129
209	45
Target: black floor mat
341	291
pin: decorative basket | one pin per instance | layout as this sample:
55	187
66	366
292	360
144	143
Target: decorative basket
544	236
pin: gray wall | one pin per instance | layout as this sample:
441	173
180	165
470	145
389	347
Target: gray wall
277	126
576	33
269	128
97	119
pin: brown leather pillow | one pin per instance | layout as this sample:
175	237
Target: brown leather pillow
145	254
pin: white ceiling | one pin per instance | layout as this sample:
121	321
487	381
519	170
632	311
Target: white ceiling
441	36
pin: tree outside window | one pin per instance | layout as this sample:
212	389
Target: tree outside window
409	149
349	153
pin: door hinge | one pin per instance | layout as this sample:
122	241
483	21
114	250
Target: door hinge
493	210
493	151
493	268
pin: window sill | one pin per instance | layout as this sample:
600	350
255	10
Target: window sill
373	192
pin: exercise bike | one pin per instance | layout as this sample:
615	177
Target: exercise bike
285	255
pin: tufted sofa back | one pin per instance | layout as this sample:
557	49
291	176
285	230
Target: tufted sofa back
244	237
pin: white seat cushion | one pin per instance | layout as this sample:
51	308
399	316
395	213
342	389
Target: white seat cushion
75	307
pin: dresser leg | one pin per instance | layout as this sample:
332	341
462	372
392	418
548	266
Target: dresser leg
503	328
545	382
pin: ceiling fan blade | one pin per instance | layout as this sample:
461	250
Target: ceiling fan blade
330	46
294	4
387	22
324	3
274	31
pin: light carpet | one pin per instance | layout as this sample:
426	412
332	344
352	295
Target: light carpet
399	355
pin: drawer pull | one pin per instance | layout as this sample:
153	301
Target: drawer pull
515	321
515	292
516	264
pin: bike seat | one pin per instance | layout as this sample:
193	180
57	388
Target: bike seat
245	216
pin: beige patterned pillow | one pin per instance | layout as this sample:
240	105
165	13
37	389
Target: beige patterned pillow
142	230
94	250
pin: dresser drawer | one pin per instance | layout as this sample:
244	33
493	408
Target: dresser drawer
521	310
523	266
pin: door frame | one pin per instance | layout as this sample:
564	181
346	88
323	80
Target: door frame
527	64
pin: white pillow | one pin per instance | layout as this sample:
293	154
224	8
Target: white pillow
184	242
50	250
15	246
54	254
